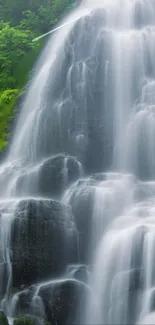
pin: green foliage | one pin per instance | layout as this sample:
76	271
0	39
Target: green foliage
14	44
20	22
3	319
30	21
34	14
12	10
3	24
7	106
45	16
24	320
8	95
24	66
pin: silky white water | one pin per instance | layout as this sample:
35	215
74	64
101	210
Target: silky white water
92	97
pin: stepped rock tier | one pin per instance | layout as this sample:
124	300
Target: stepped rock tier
77	188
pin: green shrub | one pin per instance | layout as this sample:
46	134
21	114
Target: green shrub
24	320
30	21
20	22
3	319
14	45
8	95
7	108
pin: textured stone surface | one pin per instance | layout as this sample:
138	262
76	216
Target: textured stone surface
50	178
63	301
42	233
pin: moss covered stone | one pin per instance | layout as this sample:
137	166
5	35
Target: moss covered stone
3	319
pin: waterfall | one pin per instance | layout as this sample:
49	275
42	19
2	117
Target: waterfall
77	188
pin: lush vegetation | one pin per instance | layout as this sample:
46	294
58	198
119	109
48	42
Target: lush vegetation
24	320
20	22
3	319
20	320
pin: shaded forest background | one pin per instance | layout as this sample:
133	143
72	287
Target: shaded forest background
20	22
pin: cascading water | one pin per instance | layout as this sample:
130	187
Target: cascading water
77	196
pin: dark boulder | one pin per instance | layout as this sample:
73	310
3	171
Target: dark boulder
63	301
29	301
51	177
21	301
43	241
58	173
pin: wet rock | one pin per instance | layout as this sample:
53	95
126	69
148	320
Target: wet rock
61	301
79	272
51	177
21	301
98	177
82	273
82	126
138	247
133	279
58	173
136	280
82	208
3	277
43	241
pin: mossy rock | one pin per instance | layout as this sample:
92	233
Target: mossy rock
24	320
3	319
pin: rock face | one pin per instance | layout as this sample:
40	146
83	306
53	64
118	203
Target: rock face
81	125
61	301
51	295
58	173
82	204
3	278
51	177
21	301
42	233
82	208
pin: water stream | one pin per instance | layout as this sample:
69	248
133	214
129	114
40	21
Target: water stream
77	188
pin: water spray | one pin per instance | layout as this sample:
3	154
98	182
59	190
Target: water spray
59	27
